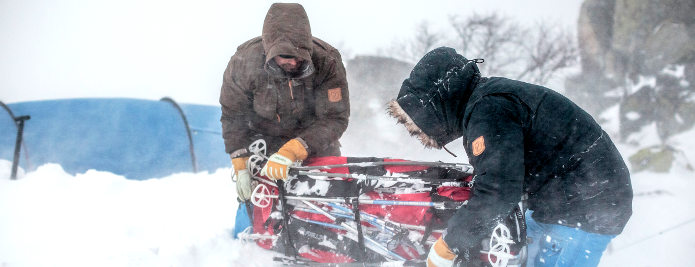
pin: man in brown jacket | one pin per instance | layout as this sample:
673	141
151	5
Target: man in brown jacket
288	88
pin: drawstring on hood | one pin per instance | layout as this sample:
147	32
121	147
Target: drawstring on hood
432	100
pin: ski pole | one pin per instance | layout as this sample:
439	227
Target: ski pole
383	223
371	221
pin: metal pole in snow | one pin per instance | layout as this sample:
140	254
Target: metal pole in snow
17	147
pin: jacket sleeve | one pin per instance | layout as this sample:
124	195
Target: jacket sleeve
332	105
495	147
237	105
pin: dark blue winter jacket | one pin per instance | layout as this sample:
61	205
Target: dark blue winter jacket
522	139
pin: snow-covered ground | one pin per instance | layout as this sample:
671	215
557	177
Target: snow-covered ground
661	231
51	218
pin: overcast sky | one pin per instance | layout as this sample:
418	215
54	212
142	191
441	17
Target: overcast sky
154	48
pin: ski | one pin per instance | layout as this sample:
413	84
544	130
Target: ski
466	168
406	179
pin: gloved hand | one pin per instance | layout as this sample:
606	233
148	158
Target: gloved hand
244	183
278	164
440	255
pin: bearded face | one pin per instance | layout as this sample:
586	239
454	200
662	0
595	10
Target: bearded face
289	64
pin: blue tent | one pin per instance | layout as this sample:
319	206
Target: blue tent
138	139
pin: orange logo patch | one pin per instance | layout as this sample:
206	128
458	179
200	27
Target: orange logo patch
335	95
478	146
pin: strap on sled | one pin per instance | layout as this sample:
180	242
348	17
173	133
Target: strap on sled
289	247
358	222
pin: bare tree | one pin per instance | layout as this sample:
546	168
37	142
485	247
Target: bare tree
491	37
425	40
547	51
533	54
413	49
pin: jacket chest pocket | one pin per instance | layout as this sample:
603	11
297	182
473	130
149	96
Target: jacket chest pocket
282	100
265	101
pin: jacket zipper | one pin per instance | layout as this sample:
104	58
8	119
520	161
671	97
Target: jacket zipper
289	82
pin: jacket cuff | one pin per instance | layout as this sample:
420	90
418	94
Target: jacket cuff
306	147
239	153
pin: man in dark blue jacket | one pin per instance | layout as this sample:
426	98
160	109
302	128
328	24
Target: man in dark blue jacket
523	140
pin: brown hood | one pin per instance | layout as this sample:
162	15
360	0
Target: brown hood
286	31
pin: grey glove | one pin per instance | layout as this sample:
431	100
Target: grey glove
244	182
244	185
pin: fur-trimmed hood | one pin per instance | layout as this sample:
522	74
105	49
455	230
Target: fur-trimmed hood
432	100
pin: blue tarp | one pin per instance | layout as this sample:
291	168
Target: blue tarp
139	139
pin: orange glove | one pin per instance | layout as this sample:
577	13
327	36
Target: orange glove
440	255
244	184
278	164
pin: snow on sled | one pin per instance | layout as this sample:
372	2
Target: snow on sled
402	207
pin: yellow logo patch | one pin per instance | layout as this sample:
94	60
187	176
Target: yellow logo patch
335	95
478	146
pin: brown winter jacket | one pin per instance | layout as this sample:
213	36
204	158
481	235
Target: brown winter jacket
258	97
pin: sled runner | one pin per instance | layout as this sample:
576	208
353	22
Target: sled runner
368	210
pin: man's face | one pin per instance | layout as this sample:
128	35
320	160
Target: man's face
288	63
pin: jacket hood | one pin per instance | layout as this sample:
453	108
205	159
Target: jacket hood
432	100
286	31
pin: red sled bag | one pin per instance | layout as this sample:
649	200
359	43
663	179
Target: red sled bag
402	207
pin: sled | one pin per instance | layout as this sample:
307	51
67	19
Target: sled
350	210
